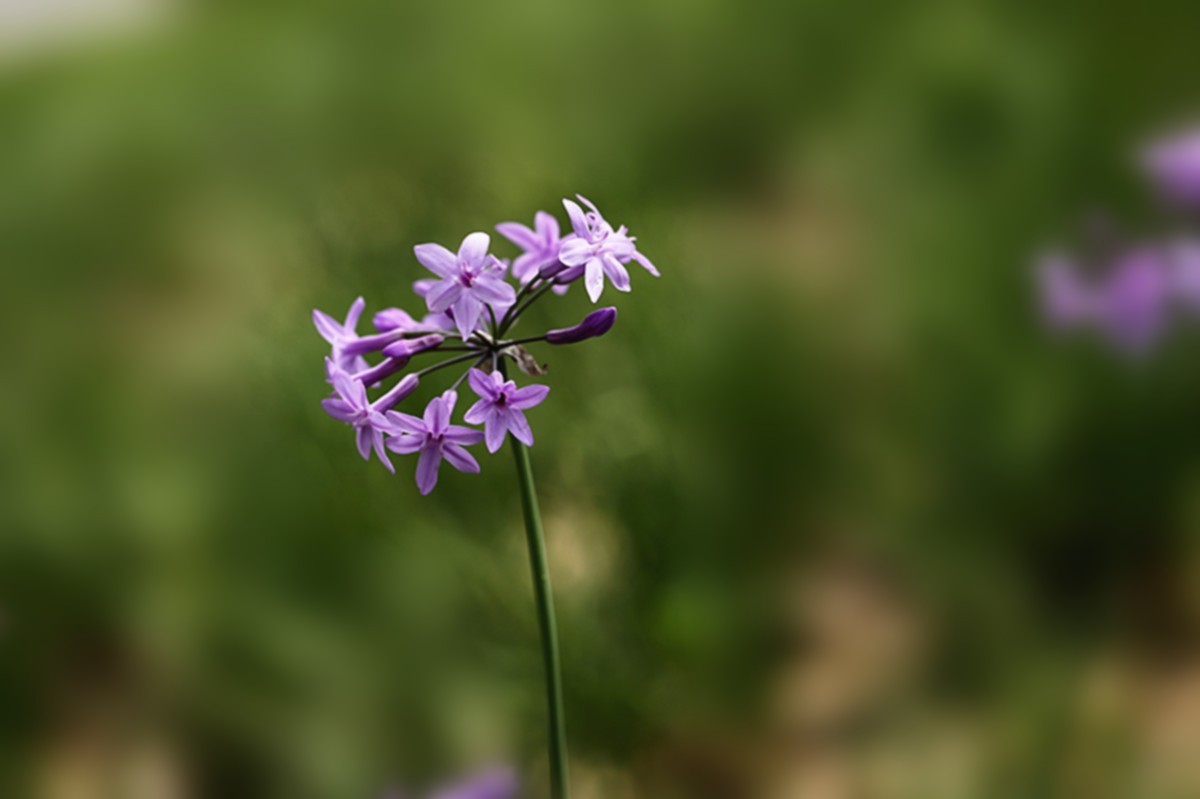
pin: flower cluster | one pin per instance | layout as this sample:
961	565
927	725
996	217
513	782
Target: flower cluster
473	301
1132	292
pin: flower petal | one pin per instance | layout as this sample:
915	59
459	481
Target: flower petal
494	291
578	221
377	440
339	409
408	423
547	226
474	248
493	431
518	234
406	444
644	261
593	279
481	384
421	287
350	389
391	319
463	436
574	251
617	274
327	326
466	314
427	467
437	259
478	413
441	296
460	459
362	437
352	316
518	425
528	396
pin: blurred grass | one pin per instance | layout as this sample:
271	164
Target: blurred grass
199	579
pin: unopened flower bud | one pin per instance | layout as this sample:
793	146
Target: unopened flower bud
597	323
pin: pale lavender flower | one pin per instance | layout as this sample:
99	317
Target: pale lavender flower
597	323
540	244
1173	164
434	438
339	334
367	418
501	407
469	280
599	249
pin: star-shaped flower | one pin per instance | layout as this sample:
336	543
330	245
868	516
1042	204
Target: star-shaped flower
501	407
599	249
540	243
468	281
369	419
435	438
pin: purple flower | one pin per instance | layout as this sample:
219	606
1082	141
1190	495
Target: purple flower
350	405
597	323
1173	164
469	281
1183	256
1129	302
540	243
501	407
1137	298
340	334
435	438
602	251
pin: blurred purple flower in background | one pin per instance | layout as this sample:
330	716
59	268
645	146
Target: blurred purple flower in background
1132	293
500	783
1173	165
1128	300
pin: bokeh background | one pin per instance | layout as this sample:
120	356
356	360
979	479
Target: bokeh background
830	514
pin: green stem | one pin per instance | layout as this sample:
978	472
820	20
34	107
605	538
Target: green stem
545	609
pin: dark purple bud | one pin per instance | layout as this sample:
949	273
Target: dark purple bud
552	268
398	392
393	319
411	346
570	275
597	323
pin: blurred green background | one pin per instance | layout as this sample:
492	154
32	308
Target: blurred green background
830	515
